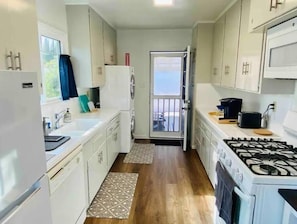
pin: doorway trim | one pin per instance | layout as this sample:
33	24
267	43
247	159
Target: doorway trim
165	134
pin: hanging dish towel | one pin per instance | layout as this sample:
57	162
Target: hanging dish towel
224	193
67	81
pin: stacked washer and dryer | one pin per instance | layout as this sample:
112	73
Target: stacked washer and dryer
118	92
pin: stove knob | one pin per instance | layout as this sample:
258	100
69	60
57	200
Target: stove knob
223	155
218	151
239	177
228	162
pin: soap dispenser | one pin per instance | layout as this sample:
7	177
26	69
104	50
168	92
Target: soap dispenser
67	116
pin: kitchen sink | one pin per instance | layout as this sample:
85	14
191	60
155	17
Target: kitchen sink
77	127
52	138
53	142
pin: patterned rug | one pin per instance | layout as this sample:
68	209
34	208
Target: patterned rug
114	199
140	153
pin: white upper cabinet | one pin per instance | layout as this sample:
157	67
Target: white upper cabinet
232	23
264	11
19	48
109	44
249	54
218	44
85	31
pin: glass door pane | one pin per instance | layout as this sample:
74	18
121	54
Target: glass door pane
166	94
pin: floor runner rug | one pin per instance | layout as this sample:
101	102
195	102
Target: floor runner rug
140	153
114	199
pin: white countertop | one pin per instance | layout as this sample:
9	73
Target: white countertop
229	130
104	115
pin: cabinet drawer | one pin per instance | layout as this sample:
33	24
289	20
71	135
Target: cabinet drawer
92	145
206	129
113	124
214	140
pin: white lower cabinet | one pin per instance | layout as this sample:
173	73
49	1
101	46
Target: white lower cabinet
213	158
205	146
97	168
99	153
206	140
95	164
113	141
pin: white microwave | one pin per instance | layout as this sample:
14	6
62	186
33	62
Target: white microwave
281	51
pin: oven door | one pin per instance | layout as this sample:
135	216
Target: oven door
244	209
245	205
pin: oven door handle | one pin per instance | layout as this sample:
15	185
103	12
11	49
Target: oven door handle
250	203
242	195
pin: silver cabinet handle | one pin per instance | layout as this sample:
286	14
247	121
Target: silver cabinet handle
99	70
227	69
18	58
10	66
274	6
115	136
247	66
100	157
215	71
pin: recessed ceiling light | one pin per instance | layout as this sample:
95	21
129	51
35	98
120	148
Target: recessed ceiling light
163	2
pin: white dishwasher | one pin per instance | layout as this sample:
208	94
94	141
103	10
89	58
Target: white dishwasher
67	190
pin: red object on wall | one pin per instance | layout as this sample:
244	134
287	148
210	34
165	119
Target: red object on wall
127	59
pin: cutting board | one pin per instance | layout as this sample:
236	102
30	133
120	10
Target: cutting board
262	131
215	115
227	121
83	101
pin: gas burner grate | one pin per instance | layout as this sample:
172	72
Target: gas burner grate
265	156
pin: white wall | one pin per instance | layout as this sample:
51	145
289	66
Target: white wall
208	96
139	43
53	13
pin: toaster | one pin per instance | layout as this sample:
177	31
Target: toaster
249	120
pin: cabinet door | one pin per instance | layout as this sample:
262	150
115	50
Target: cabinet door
96	39
205	151
109	45
96	170
213	158
24	35
218	44
249	54
4	37
231	45
109	144
19	36
264	11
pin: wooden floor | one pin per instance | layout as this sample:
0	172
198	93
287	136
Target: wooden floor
173	190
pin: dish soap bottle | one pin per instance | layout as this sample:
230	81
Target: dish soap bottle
67	116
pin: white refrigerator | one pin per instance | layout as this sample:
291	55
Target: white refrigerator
24	194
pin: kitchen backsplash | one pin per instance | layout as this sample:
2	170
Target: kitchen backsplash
251	101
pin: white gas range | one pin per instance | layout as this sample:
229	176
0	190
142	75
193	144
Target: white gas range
260	167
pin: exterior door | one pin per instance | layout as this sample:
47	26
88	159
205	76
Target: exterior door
186	97
166	100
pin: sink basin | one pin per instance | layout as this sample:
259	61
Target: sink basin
53	142
81	124
77	127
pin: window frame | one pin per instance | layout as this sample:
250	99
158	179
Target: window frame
54	33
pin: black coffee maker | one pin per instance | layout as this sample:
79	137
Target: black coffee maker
231	107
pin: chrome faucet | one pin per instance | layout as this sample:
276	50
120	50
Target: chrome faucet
58	117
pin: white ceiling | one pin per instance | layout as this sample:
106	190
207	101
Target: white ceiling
133	14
